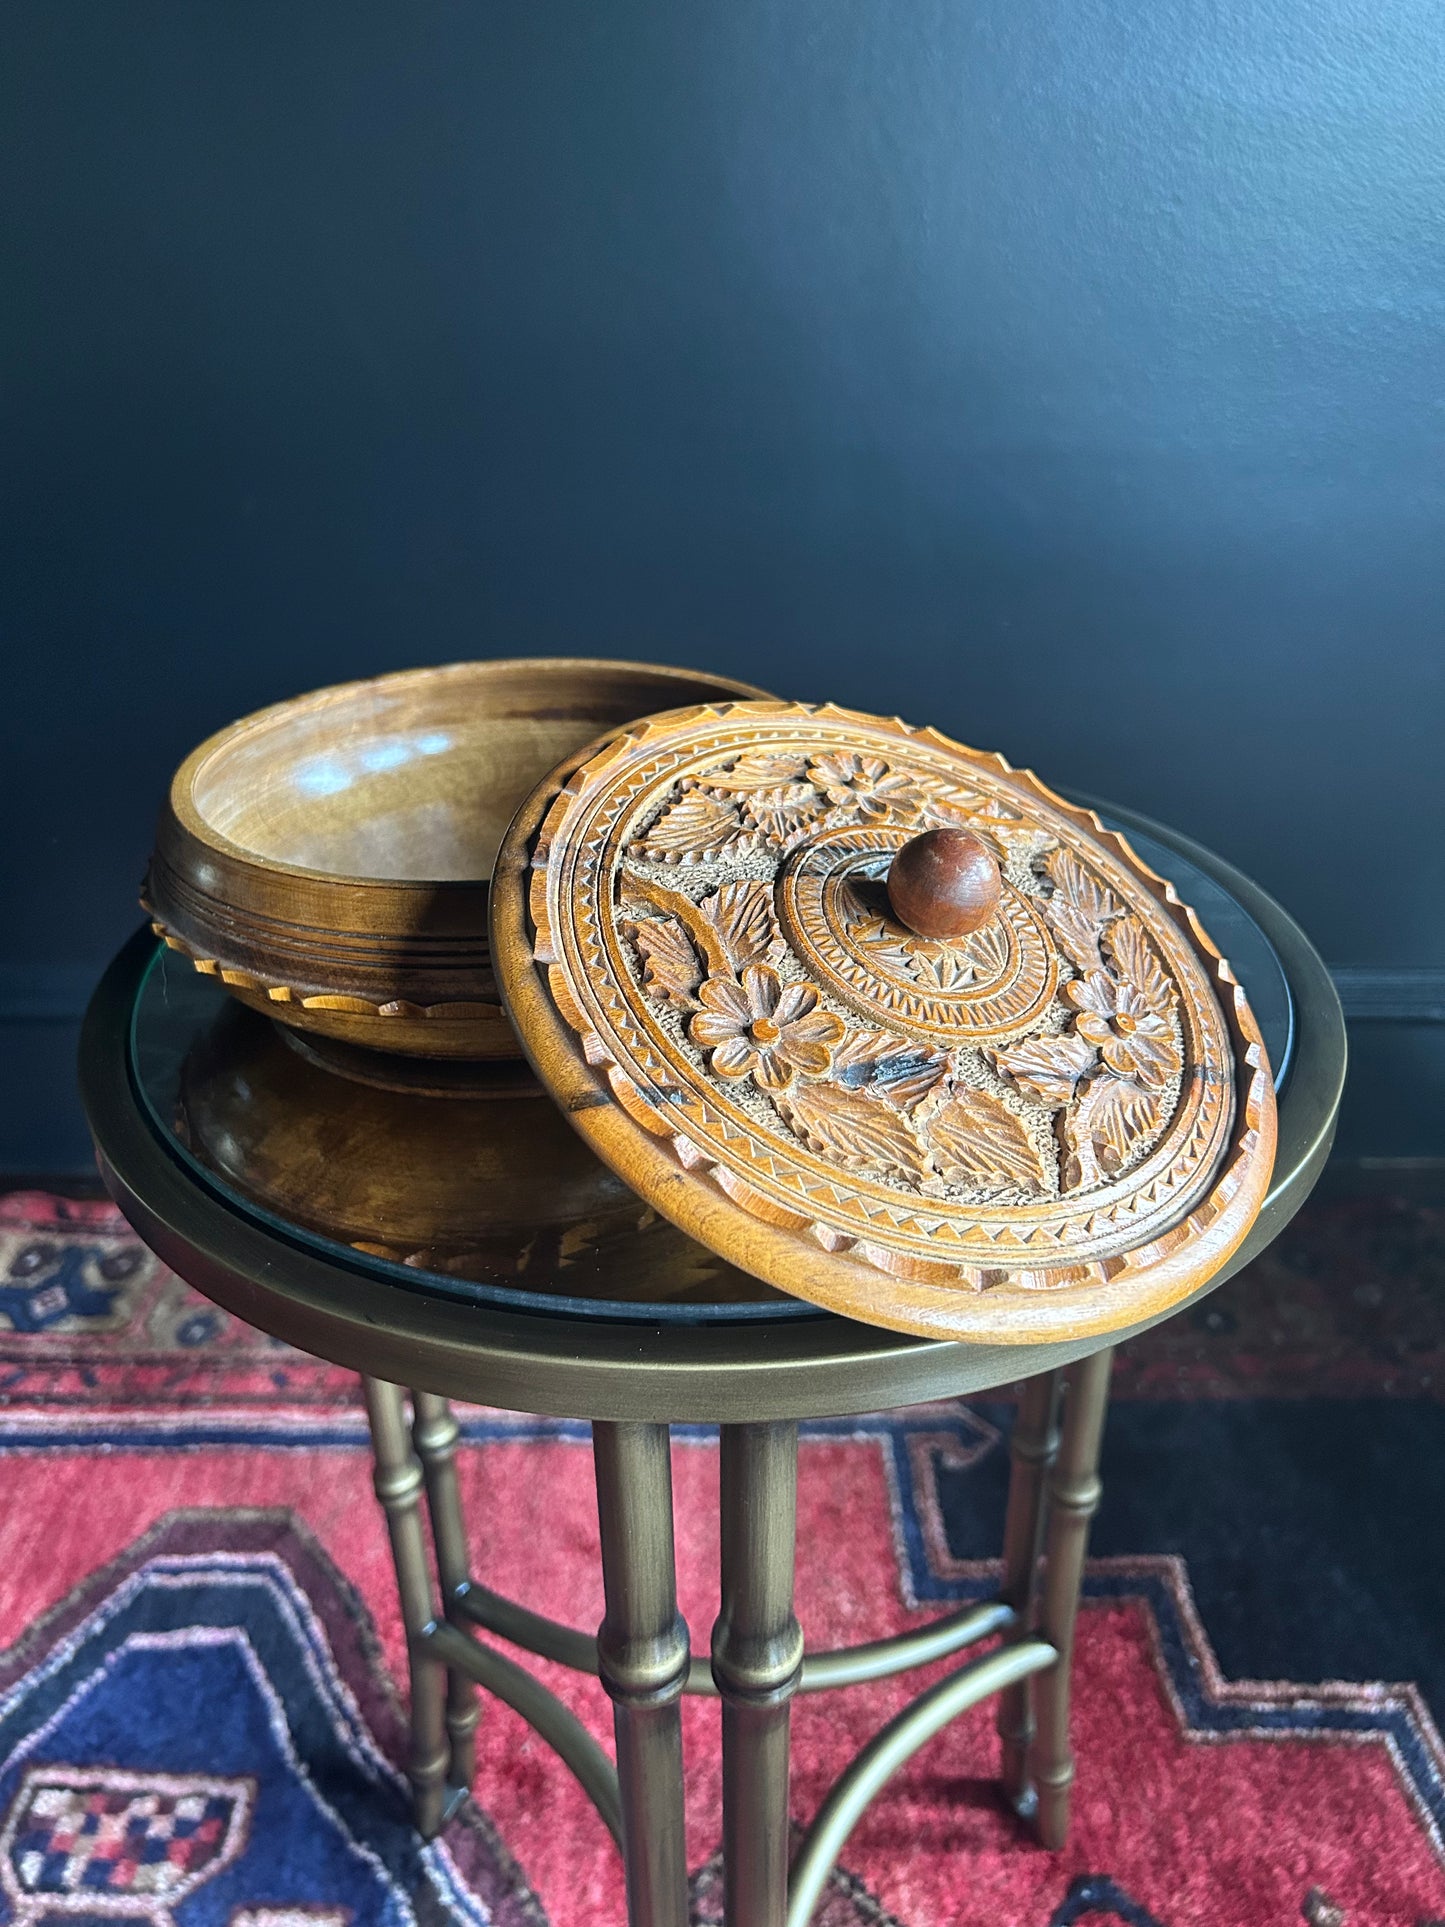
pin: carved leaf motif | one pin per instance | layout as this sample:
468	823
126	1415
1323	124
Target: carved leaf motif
863	899
1047	1068
977	1140
989	948
1096	993
999	827
861	1051
906	1084
671	968
901	1071
1138	966
1078	910
863	906
1086	893
888	949
696	825
742	915
672	903
1102	1133
1023	842
755	769
854	1130
1078	936
946	804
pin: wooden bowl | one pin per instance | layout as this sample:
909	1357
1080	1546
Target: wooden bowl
329	858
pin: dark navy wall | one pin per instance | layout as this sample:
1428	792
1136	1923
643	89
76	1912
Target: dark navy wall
1072	376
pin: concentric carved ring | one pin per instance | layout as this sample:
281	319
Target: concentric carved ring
987	988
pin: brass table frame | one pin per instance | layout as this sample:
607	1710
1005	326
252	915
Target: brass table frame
631	1380
642	1652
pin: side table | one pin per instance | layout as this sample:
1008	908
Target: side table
753	1370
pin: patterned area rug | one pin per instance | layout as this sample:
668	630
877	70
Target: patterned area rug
200	1717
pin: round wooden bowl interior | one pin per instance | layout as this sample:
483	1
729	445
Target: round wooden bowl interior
329	858
415	777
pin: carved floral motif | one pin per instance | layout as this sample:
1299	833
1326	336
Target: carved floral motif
773	801
867	785
1090	1093
1109	1076
755	1027
783	816
1132	1039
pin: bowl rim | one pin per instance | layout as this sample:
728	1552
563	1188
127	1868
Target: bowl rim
180	806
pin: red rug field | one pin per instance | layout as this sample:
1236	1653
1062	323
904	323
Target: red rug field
200	1662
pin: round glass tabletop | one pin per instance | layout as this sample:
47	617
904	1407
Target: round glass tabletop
488	1197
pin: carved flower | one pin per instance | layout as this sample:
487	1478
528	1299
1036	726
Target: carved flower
1130	1037
758	1026
867	784
784	814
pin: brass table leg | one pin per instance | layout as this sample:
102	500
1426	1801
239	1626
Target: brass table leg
435	1433
1032	1448
643	1654
757	1660
398	1480
1073	1500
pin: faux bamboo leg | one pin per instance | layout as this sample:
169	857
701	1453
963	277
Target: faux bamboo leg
757	1659
435	1433
398	1479
643	1654
1073	1500
1032	1448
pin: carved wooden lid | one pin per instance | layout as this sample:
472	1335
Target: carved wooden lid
1059	1121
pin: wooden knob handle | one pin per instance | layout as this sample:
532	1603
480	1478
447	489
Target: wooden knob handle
944	883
